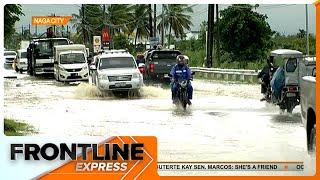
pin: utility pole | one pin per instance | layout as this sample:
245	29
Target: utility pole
155	20
162	30
307	29
68	31
150	20
82	22
104	15
218	36
54	27
210	43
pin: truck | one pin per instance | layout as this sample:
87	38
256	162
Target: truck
308	108
40	54
158	63
70	62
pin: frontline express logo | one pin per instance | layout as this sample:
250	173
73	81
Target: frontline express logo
90	157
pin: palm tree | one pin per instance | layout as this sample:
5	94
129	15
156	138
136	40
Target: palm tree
176	19
139	21
118	15
88	25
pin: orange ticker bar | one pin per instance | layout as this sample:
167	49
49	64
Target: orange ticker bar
50	20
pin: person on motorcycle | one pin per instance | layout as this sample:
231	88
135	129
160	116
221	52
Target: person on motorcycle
140	59
181	72
265	76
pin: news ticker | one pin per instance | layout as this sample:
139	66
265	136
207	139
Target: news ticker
230	166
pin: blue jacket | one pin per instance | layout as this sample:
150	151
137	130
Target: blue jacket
180	73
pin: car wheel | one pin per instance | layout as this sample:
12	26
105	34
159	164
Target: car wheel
312	140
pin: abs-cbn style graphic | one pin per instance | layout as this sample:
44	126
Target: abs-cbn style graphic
227	89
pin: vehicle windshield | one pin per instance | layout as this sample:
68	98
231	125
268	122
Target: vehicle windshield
24	55
72	58
117	62
9	54
45	47
165	54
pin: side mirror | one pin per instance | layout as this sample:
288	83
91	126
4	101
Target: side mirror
314	72
93	67
89	60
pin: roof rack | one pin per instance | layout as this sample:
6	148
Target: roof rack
115	51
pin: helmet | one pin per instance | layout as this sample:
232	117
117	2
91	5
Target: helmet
181	60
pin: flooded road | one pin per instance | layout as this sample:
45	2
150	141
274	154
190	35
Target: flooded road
226	122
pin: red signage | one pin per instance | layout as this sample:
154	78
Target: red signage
105	35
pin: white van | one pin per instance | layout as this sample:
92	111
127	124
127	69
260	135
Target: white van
21	61
70	62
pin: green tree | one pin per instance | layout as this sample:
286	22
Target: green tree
139	21
301	34
244	33
88	25
176	19
12	12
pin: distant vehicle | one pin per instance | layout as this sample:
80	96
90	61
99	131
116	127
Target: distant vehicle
21	61
116	72
285	83
308	108
41	55
9	57
70	62
159	63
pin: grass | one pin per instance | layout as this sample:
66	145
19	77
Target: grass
15	128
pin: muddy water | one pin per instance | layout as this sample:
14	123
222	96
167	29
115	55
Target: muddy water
226	121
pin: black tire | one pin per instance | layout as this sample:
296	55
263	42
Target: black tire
290	105
312	140
184	100
16	68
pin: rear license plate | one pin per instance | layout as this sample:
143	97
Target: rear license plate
121	84
291	94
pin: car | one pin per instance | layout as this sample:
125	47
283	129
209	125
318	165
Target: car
159	63
21	61
308	108
116	71
70	62
10	56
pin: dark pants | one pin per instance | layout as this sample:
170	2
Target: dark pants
174	90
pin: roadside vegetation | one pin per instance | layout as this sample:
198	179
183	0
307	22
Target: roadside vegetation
15	128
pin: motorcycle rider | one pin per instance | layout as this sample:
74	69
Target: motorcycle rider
265	76
181	72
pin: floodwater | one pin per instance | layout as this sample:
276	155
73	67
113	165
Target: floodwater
227	121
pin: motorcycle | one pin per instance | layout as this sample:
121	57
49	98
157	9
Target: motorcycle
182	94
283	89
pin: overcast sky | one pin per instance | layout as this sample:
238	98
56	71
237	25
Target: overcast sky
286	19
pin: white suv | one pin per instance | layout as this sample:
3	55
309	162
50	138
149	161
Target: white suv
116	71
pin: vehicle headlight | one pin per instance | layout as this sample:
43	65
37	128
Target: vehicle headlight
136	76
62	68
103	76
84	67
